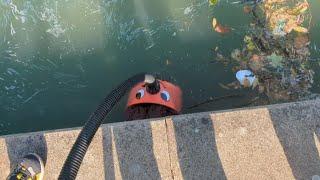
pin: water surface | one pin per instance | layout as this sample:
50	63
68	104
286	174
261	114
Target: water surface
58	59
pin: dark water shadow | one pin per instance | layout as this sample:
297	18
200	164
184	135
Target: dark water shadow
196	148
134	151
19	146
297	128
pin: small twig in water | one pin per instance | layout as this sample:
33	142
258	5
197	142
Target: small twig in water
248	103
213	99
33	95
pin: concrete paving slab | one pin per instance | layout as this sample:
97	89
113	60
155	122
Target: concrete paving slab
297	126
59	145
192	148
272	142
248	145
138	150
53	147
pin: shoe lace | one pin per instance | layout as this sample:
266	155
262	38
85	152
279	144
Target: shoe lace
21	173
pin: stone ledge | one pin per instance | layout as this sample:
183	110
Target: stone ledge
271	142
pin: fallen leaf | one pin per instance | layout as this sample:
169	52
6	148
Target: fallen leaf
301	29
301	41
236	54
261	89
222	29
214	23
255	83
246	83
299	9
213	2
249	43
256	57
219	28
247	9
256	62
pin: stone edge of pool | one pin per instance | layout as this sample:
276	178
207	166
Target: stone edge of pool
279	141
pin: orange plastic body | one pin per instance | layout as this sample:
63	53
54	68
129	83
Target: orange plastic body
175	101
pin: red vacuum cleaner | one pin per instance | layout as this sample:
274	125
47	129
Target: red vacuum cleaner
153	98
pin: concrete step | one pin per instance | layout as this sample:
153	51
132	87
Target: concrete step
272	142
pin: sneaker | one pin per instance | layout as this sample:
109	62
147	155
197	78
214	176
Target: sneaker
29	168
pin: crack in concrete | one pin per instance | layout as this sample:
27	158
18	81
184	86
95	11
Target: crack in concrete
171	169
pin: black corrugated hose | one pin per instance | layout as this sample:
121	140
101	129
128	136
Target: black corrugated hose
79	149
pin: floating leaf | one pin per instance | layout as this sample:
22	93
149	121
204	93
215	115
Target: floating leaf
222	29
301	29
255	83
256	62
261	88
246	83
247	39
249	43
236	54
301	41
300	9
219	28
251	46
304	9
214	23
247	9
213	2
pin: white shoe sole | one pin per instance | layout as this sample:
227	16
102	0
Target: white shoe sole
41	165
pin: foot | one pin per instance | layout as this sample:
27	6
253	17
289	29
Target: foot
29	168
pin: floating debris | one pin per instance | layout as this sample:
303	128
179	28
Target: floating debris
213	2
11	71
236	55
168	62
247	9
56	30
10	87
12	31
249	43
256	62
219	28
301	29
282	19
246	78
301	41
32	96
187	10
224	86
275	60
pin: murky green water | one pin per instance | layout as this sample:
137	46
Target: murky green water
58	59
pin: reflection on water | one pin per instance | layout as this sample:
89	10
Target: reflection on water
59	58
